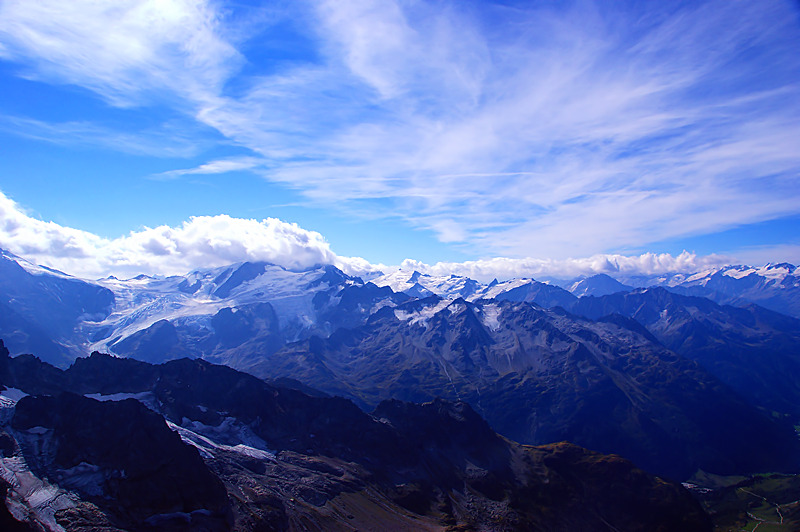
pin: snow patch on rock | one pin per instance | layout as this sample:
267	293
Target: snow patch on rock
421	317
490	316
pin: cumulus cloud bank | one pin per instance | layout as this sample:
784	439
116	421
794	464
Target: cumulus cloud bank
210	241
507	268
200	242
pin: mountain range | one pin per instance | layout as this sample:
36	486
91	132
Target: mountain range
773	286
674	381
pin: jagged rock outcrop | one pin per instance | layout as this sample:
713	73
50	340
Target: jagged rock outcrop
121	457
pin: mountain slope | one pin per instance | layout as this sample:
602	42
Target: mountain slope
754	350
44	311
539	376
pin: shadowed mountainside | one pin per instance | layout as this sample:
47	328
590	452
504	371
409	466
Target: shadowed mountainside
291	461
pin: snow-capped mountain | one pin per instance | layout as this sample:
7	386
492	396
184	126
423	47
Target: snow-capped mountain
208	313
233	313
774	286
416	284
769	274
198	296
420	285
597	285
527	290
240	313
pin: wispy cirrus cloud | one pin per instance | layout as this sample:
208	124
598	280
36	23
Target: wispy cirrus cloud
168	140
574	132
557	130
127	51
220	166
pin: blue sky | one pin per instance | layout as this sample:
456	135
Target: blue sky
436	131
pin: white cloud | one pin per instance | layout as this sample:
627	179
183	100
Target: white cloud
168	140
122	50
508	268
201	242
211	241
219	166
